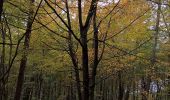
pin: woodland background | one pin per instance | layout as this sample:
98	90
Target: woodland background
84	50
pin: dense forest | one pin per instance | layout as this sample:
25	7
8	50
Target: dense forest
84	49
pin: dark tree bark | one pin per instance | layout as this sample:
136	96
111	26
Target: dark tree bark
95	59
121	87
2	56
85	66
1	8
23	63
2	63
73	55
83	29
20	78
40	81
83	33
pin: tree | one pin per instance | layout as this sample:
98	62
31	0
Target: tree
85	50
27	33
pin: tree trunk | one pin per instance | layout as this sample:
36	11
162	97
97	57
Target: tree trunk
127	92
95	59
144	85
121	87
23	63
39	81
2	57
155	44
1	8
85	70
72	54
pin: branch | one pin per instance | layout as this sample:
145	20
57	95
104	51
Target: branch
18	44
80	15
108	13
90	13
62	20
128	24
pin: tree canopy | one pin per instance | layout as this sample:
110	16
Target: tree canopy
84	49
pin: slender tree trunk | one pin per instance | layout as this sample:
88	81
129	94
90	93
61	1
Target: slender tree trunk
72	54
2	57
85	69
83	34
104	90
121	87
40	81
168	92
127	92
96	61
155	44
2	64
144	85
23	63
1	8
101	90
